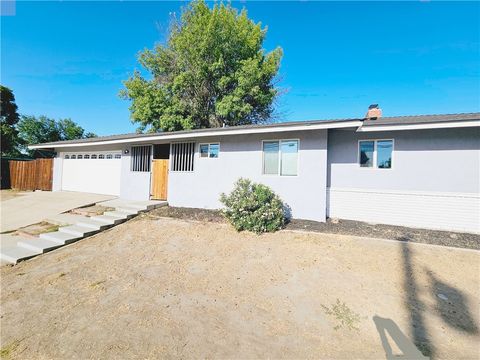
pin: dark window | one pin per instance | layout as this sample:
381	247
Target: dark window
140	158
161	151
183	156
366	153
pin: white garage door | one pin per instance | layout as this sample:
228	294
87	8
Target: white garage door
92	172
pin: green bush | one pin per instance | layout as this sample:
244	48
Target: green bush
253	207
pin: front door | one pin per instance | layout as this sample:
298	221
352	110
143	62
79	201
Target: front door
159	179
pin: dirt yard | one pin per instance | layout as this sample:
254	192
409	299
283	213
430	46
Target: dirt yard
170	288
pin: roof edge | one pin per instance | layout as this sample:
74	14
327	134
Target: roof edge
200	133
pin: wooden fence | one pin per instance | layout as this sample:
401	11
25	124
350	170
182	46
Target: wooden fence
31	175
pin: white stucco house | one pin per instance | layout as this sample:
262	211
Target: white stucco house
418	171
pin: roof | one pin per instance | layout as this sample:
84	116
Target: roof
362	124
421	119
280	126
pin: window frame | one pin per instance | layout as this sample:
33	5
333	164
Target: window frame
279	168
374	160
208	152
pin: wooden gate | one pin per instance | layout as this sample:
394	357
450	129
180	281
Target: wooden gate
159	179
31	175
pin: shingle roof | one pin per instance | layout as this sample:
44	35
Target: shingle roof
393	120
421	119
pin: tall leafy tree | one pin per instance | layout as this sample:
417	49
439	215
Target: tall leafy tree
8	119
212	71
33	130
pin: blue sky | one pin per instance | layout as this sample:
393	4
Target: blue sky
68	59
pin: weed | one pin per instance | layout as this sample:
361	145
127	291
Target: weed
7	351
97	283
344	315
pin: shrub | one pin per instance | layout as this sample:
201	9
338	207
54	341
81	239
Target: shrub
253	207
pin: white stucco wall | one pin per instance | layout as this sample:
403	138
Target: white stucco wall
241	156
434	181
57	172
134	185
423	160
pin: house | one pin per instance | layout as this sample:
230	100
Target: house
418	171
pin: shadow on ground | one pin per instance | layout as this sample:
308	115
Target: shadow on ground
451	306
387	328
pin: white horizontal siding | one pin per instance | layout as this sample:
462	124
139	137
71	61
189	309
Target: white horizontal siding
430	210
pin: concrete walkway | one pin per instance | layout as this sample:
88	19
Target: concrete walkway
36	206
72	228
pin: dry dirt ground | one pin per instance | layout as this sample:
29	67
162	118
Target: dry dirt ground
170	288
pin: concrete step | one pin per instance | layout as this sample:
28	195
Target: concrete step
14	255
138	207
134	204
60	237
109	220
128	210
158	204
80	231
93	224
119	214
40	245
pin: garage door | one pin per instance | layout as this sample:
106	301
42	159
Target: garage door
92	172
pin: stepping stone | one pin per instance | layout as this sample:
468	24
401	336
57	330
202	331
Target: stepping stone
14	255
40	245
109	220
93	224
80	231
60	237
119	214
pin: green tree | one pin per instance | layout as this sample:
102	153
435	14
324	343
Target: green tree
33	130
8	119
211	72
69	130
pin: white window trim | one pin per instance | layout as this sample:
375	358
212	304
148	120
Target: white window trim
375	167
208	157
280	157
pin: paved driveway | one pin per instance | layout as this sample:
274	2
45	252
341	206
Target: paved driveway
39	205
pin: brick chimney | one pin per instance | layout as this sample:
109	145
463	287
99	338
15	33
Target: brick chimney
373	112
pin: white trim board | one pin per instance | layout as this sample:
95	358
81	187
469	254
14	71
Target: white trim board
443	125
213	133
